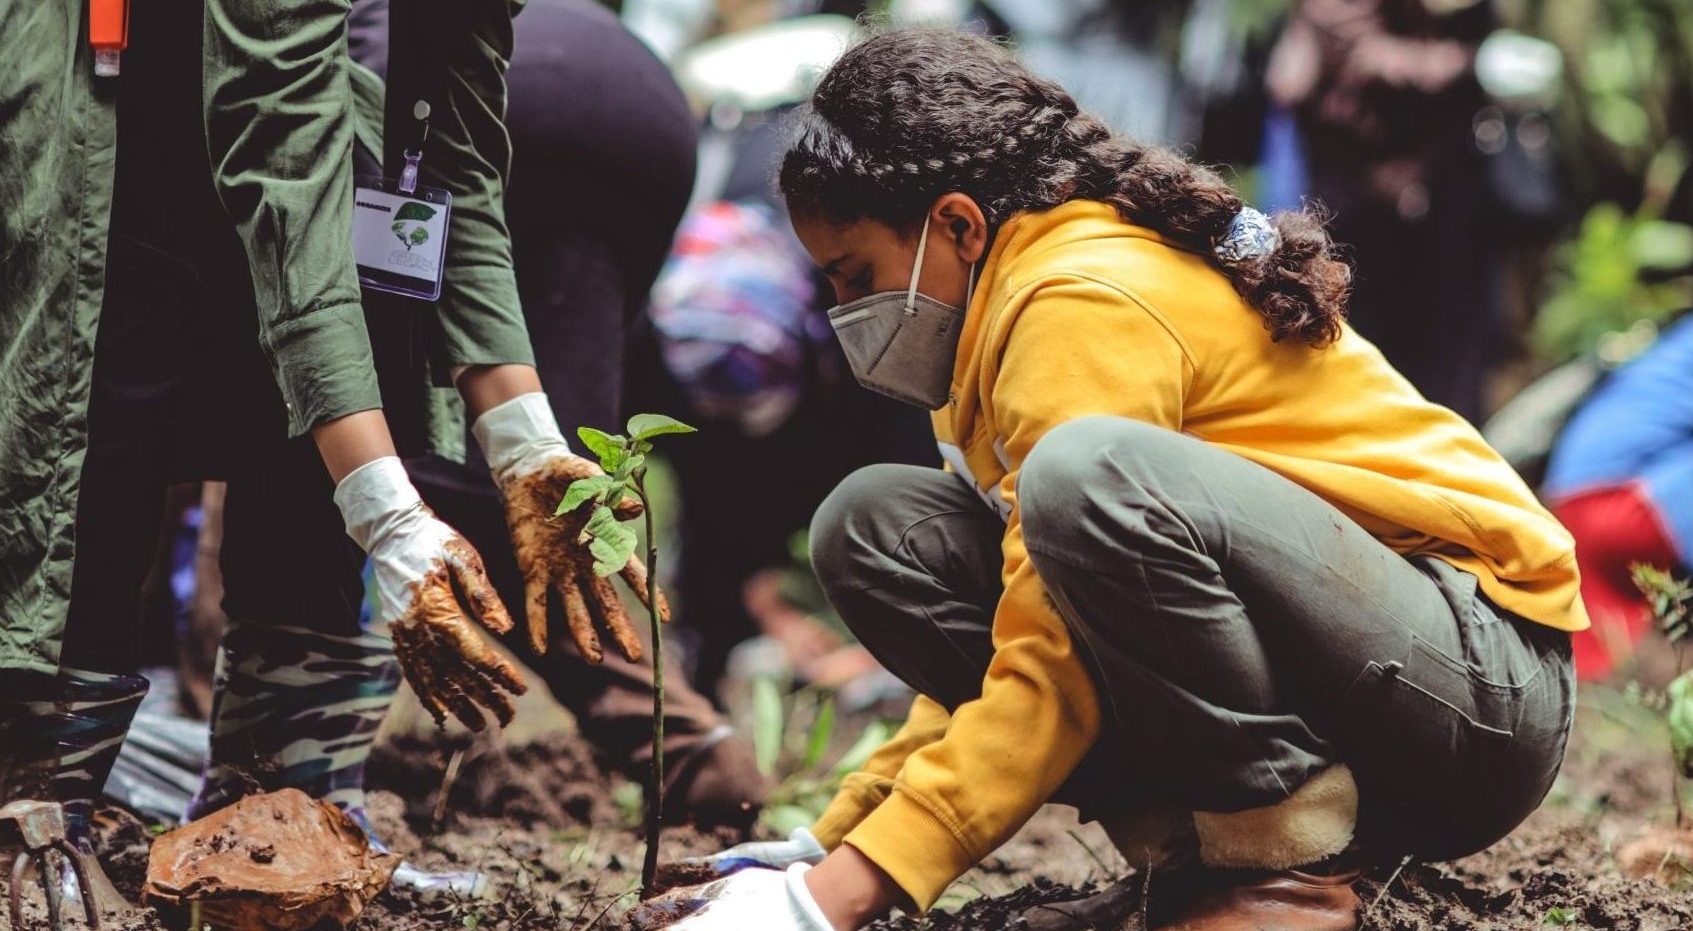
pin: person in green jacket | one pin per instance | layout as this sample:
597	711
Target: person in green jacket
279	125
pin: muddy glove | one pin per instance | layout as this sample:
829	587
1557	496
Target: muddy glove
768	900
419	567
800	847
534	466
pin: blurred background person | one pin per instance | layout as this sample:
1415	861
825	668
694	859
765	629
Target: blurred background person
1384	95
1621	479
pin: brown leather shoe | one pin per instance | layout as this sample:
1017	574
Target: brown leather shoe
1286	900
1130	904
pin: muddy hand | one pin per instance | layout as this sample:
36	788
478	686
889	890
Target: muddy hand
769	900
534	467
800	847
429	584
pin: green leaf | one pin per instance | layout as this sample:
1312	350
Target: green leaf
1559	916
609	448
1661	244
412	210
610	541
472	920
1680	718
647	426
821	730
581	490
767	724
630	465
867	743
783	819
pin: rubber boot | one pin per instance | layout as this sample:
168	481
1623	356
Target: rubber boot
59	736
295	708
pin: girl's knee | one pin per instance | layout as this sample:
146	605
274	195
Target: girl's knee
855	526
1082	463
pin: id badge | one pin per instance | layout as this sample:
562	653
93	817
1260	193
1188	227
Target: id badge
400	240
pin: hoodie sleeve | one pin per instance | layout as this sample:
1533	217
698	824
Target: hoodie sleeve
867	788
1074	347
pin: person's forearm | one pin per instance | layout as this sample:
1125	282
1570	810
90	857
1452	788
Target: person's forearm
346	443
485	386
852	890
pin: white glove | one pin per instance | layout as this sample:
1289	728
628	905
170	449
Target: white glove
534	466
520	436
800	847
765	900
415	561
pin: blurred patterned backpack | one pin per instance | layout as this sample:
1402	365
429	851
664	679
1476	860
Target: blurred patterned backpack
734	311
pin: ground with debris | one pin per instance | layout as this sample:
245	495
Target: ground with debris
560	839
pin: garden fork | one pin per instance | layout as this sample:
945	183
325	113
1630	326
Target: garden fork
39	827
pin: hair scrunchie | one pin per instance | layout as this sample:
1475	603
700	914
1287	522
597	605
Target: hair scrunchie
1250	236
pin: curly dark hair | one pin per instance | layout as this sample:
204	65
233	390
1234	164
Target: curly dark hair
908	115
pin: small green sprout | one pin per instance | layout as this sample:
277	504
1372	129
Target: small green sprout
1671	601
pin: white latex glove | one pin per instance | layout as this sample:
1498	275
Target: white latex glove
534	466
416	559
765	900
800	847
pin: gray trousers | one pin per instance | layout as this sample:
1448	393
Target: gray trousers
1242	633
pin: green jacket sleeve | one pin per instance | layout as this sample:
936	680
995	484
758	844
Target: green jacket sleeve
468	153
279	127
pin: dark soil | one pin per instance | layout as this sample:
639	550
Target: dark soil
558	838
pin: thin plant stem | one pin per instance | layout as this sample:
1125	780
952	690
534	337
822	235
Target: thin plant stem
655	797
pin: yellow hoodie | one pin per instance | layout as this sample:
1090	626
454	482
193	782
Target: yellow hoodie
1078	313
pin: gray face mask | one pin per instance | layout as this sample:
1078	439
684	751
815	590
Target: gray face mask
901	343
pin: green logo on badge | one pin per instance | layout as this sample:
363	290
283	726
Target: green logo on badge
409	224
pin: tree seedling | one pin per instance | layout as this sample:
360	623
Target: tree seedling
624	460
1671	601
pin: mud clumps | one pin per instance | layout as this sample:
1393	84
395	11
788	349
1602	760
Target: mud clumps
991	914
553	781
1550	872
279	861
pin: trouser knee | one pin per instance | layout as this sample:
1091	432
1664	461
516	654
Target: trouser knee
1094	469
854	533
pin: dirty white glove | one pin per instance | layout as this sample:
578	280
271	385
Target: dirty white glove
800	847
534	466
766	900
416	559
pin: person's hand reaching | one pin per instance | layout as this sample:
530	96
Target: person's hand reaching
429	583
533	466
768	900
800	847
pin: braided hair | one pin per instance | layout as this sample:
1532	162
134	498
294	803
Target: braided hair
908	115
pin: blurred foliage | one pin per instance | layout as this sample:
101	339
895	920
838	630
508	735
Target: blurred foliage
1670	599
1630	70
792	735
1626	118
1619	270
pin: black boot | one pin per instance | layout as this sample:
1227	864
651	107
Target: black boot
296	708
59	736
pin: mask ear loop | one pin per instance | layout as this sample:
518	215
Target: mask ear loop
917	269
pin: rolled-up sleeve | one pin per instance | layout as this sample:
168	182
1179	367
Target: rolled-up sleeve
279	128
469	154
